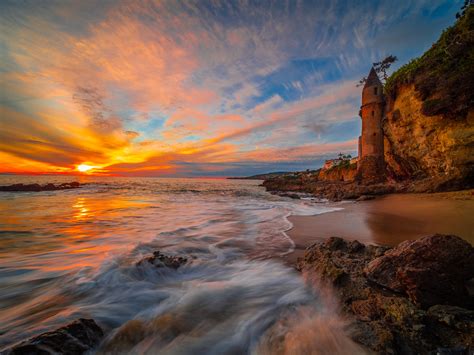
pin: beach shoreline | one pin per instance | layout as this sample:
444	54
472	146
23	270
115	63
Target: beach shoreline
387	220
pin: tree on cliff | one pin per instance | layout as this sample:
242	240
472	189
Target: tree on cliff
381	69
382	66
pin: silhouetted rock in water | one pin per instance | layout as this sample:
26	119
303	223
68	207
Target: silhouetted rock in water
38	187
78	337
430	270
161	260
392	322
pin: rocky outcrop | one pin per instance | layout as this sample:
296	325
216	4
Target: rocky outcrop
78	337
331	190
391	321
161	260
38	187
431	270
338	173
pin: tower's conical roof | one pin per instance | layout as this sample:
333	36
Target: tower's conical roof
372	79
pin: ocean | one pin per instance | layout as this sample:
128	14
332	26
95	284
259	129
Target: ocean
73	253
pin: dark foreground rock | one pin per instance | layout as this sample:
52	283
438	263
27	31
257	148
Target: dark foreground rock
77	337
391	320
161	260
431	270
38	187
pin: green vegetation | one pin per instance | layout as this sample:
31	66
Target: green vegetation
443	75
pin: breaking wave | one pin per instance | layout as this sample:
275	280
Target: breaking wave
76	256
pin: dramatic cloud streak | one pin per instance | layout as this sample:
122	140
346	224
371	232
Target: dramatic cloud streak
193	88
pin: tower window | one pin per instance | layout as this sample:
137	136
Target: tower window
373	113
375	91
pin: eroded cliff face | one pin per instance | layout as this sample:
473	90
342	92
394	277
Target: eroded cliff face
338	173
435	147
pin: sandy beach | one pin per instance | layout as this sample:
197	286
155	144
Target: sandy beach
388	220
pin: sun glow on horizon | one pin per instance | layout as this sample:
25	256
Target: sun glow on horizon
222	89
83	168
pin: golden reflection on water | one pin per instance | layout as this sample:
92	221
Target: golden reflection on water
81	211
71	253
90	236
86	229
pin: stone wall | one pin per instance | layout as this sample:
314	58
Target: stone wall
372	134
371	170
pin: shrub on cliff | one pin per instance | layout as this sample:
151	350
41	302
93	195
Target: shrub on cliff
444	75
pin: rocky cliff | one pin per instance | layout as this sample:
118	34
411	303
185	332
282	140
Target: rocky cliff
420	146
429	124
345	172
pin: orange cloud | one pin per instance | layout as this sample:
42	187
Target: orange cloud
74	98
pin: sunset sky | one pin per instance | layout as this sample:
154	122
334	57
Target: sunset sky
194	88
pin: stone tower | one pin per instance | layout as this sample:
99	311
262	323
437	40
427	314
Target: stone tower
371	164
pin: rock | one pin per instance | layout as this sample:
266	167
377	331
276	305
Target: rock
78	337
387	321
432	147
343	172
161	260
430	270
38	187
453	316
365	198
452	351
21	187
327	189
290	195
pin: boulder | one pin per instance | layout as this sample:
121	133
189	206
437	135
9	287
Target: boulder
385	320
430	270
78	337
161	260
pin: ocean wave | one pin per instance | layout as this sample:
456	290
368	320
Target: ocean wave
79	254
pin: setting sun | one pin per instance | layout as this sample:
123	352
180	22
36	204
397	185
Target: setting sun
84	168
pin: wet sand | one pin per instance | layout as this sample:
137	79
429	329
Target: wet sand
388	220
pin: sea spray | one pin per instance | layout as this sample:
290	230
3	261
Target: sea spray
80	249
241	307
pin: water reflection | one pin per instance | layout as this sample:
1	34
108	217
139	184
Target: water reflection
70	254
81	211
